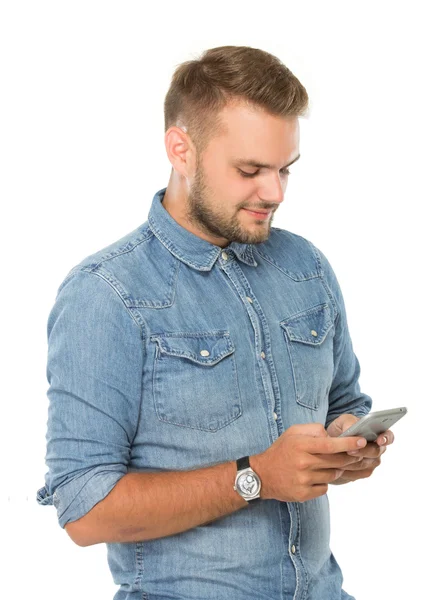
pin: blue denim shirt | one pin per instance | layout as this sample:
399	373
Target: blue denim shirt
165	353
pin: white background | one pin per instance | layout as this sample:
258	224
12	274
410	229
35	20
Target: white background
82	154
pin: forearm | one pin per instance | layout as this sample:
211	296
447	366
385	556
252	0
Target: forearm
144	506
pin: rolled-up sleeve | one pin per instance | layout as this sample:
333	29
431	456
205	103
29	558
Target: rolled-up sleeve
94	369
345	394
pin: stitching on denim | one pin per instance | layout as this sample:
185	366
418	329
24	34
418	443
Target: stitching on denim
138	320
171	285
128	247
248	256
200	361
287	272
222	334
139	564
196	427
140	324
280	518
299	554
110	278
211	256
297	384
304	313
317	256
270	386
212	332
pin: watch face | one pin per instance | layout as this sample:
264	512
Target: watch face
248	483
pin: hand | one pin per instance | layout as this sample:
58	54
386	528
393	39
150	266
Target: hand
301	463
370	455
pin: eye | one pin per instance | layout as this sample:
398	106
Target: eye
244	174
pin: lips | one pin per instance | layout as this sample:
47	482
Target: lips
262	212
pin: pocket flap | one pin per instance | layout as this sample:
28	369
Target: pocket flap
309	326
201	348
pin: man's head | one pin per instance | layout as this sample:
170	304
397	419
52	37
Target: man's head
235	104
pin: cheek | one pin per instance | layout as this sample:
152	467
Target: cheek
238	186
239	192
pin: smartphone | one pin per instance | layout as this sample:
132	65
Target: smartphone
370	426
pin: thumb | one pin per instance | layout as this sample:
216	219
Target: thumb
340	424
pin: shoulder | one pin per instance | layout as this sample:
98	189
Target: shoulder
300	259
117	252
126	265
293	253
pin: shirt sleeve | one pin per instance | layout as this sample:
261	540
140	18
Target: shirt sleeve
94	368
345	394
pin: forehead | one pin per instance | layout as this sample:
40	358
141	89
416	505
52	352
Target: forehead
254	137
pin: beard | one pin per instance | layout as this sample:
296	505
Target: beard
211	220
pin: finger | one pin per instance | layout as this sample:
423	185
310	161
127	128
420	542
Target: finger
333	461
325	476
372	450
357	466
355	475
331	445
363	464
385	439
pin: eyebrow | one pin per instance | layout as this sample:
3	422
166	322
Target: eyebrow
254	163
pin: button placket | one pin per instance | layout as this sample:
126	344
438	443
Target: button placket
243	289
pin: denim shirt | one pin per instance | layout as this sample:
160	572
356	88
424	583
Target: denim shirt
167	352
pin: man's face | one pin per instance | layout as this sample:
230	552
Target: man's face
221	193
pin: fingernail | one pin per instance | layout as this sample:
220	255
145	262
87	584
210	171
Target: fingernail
361	443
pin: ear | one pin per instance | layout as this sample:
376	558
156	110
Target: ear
180	150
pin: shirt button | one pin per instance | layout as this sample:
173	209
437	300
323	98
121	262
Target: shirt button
275	416
293	549
313	332
224	255
249	299
263	355
205	353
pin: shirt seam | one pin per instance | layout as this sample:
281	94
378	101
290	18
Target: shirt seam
143	336
326	285
126	248
130	313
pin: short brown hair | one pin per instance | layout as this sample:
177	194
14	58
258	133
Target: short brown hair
201	88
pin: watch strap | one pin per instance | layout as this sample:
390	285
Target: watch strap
242	463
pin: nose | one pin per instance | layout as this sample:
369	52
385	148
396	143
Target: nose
273	190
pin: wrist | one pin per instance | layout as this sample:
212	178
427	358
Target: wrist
257	464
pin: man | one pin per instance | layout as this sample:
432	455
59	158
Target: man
202	365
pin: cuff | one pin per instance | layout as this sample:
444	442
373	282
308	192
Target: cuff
75	498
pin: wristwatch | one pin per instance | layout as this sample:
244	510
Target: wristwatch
247	482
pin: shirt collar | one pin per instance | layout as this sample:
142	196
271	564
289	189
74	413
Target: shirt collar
186	246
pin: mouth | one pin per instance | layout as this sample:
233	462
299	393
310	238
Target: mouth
259	213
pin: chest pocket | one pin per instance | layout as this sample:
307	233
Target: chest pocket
195	379
309	338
